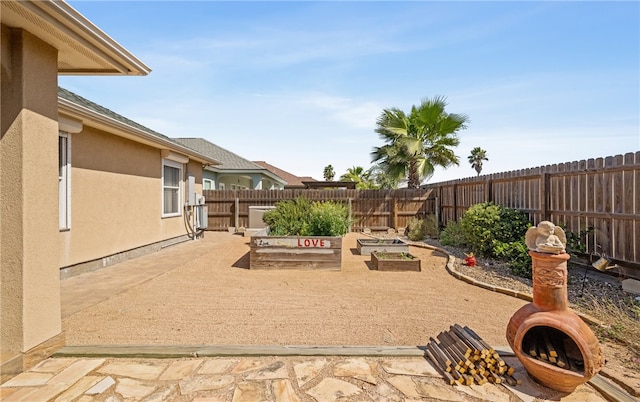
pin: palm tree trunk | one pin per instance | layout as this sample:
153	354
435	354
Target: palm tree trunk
413	179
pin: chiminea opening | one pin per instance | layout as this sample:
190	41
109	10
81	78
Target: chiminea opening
552	346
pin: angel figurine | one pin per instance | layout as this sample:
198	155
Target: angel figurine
546	238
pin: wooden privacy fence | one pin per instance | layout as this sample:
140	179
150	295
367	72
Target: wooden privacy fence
374	209
602	193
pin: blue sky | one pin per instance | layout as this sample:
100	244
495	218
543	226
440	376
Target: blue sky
301	84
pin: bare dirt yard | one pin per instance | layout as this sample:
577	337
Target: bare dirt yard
214	299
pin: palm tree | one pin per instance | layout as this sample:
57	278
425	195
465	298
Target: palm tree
419	142
477	156
329	173
381	178
360	176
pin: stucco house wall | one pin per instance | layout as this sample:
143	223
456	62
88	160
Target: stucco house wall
116	197
115	189
30	289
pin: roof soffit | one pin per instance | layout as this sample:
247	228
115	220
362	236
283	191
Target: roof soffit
83	49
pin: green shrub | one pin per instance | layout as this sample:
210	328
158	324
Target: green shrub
418	229
517	256
328	219
491	230
301	217
289	217
577	242
485	223
453	235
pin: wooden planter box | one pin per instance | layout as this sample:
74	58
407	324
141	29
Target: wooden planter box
296	252
383	261
366	246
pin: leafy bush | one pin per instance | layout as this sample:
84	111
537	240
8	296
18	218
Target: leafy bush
492	230
453	235
517	255
418	229
301	217
289	217
577	242
328	219
485	223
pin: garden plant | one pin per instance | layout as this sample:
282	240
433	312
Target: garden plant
301	217
494	231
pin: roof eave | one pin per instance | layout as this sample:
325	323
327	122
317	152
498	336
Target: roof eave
264	172
84	49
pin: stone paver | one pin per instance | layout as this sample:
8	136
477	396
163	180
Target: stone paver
142	371
79	388
75	371
356	368
308	370
283	391
180	369
101	386
129	388
331	390
265	378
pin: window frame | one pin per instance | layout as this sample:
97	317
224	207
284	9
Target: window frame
64	181
212	185
179	188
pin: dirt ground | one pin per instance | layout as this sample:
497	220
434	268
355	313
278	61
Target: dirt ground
214	299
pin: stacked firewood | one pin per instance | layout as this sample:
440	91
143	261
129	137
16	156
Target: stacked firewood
556	349
462	357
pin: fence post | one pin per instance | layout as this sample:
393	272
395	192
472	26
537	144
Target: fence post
237	213
455	202
488	190
394	212
437	208
350	214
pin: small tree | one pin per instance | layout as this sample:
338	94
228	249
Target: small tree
477	156
360	176
329	173
382	179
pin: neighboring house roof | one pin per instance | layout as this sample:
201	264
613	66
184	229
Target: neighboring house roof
230	161
83	48
292	180
108	120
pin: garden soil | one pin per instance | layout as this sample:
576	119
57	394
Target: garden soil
213	298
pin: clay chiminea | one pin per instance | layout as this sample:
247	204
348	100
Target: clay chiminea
552	342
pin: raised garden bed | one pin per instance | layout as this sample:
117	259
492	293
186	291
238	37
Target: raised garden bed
366	246
385	261
296	252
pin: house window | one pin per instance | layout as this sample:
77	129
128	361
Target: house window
220	186
64	180
208	184
171	188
